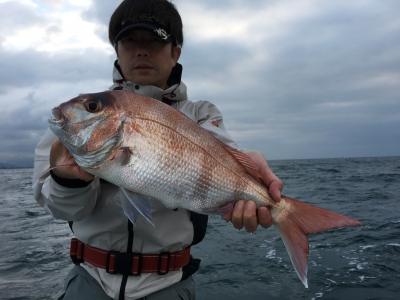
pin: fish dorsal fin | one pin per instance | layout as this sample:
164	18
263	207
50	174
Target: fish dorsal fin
246	162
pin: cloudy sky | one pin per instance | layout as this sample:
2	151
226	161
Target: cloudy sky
293	79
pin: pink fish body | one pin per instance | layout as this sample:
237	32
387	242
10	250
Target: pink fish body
152	151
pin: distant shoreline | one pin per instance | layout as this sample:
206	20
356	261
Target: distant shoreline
7	166
12	166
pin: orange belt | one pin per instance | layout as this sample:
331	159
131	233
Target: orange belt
129	263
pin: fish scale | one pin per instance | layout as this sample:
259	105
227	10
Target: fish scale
152	151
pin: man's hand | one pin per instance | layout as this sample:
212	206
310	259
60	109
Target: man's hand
65	164
246	214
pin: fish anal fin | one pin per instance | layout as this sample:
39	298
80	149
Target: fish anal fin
301	220
246	161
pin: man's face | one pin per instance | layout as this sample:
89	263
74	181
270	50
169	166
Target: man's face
145	59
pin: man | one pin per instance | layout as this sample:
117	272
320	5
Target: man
115	258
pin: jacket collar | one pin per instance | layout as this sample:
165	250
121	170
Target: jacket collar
176	90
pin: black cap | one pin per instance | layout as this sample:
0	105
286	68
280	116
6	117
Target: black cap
151	26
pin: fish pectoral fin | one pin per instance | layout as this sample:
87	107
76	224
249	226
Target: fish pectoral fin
135	204
123	156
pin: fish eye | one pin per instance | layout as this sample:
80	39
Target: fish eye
93	106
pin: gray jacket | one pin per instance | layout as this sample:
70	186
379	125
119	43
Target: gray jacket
98	219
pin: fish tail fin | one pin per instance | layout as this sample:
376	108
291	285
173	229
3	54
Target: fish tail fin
301	220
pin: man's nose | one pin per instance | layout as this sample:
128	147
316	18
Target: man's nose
142	49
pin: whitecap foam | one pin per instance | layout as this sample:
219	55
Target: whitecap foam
367	246
318	295
363	277
313	263
271	254
360	266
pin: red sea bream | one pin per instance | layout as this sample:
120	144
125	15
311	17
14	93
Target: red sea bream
152	151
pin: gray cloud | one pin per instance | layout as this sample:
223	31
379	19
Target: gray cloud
323	82
100	13
54	29
327	90
31	67
15	16
33	82
21	131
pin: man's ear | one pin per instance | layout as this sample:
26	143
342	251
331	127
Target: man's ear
176	53
116	51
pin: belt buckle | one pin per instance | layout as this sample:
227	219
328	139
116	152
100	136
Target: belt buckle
76	251
114	269
140	262
160	260
123	263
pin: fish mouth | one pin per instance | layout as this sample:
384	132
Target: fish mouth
58	117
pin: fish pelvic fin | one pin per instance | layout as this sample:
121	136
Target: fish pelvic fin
301	220
134	205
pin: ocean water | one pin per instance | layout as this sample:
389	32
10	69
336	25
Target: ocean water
349	263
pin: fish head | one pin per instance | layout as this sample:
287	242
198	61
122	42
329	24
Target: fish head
89	126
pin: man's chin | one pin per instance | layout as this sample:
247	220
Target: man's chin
143	79
147	81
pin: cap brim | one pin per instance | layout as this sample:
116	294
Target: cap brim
152	27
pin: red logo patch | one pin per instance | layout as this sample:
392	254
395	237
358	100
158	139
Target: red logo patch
214	123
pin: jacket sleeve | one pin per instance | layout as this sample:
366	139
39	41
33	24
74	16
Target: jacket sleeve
66	203
210	118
